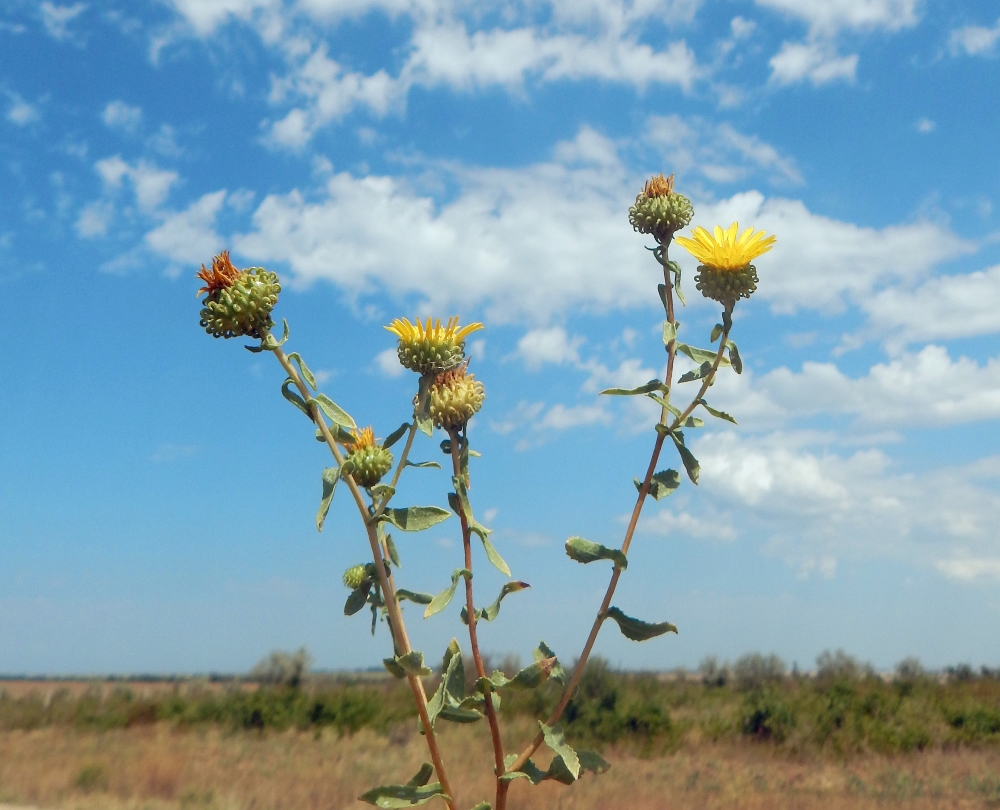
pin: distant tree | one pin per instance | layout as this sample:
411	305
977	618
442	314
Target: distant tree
839	666
282	668
910	669
713	673
754	671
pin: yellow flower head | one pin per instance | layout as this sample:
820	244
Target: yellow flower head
724	250
431	348
366	461
659	186
363	439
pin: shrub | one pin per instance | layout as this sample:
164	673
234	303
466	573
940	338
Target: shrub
754	671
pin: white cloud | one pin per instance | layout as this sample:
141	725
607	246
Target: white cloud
56	18
150	184
189	237
119	115
832	16
969	569
667	522
816	61
387	362
94	219
552	345
718	151
20	111
974	40
536	423
945	307
205	16
925	126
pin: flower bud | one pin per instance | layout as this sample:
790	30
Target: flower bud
432	348
659	210
239	302
366	460
455	397
726	286
355	576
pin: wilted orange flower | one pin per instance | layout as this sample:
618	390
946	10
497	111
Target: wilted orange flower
223	274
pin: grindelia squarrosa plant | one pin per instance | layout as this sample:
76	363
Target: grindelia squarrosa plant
239	303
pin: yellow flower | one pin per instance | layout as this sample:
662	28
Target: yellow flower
366	460
724	250
431	348
362	439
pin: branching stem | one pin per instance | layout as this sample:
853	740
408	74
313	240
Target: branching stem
401	642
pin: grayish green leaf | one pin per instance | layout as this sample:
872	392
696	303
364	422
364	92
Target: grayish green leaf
415	518
440	602
331	475
413	664
717	331
718	414
390	664
734	357
413	596
423	776
559	771
556	740
382	491
697	374
691	465
483	806
529	771
662	483
584	551
393	554
333	411
669	332
307	375
294	398
491	612
392	797
433	464
494	556
638	630
358	599
593	762
533	675
646	388
698	355
396	435
543	651
422	409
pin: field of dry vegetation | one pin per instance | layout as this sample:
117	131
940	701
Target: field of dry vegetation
731	738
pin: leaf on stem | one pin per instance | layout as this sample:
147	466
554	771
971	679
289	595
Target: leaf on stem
269	344
491	612
584	551
715	413
638	630
669	332
433	464
422	407
662	484
332	411
700	355
294	398
440	602
483	806
396	435
543	651
331	475
382	491
691	465
646	388
412	664
358	599
415	518
413	793
391	547
413	596
556	740
307	375
734	357
717	331
697	374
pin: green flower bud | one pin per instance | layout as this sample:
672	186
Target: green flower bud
455	397
239	302
355	576
726	286
659	210
366	460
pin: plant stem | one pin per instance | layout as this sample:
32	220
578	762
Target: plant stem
401	642
470	608
595	629
380	508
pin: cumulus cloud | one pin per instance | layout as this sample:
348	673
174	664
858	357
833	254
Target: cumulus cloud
832	16
119	115
20	112
535	423
553	345
815	61
57	19
150	183
94	219
974	40
204	16
189	237
669	522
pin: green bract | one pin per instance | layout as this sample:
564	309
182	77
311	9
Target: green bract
243	307
726	286
368	464
455	398
660	216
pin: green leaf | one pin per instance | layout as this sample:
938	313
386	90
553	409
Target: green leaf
555	740
333	411
698	355
413	596
662	483
491	612
697	374
647	388
269	344
433	464
422	409
357	600
453	670
331	475
440	602
584	551
396	435
662	290
339	433
638	630
676	270
493	555
382	491
393	554
307	375
734	357
669	332
717	331
593	762
390	664
413	664
559	771
457	715
543	651
415	518
691	465
483	806
294	398
391	797
529	771
423	776
718	414
533	675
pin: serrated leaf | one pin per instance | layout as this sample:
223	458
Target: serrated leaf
529	771
691	465
491	683
413	596
357	600
555	739
307	375
734	357
433	464
558	771
585	551
440	602
331	475
294	398
396	435
638	630
333	411
453	671
715	413
393	554
413	664
662	484
717	331
415	518
391	797
491	612
533	675
646	388
543	651
697	374
699	355
391	664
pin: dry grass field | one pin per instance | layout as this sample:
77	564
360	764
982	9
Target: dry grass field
163	767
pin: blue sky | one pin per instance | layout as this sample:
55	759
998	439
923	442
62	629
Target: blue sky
404	157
